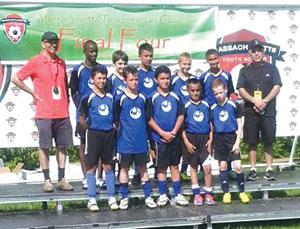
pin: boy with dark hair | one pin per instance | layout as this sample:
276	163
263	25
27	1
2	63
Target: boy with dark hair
132	143
96	116
81	85
197	138
226	117
166	115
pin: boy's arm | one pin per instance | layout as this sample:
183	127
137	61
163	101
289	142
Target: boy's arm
180	118
210	139
83	113
190	147
117	111
74	83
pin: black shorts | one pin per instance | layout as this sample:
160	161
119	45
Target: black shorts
58	129
100	145
258	127
223	144
168	154
201	153
138	158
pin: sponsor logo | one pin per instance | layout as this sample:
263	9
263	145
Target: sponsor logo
296	84
11	136
120	89
293	98
271	14
223	115
291	14
166	106
293	125
135	113
10	106
11	121
198	116
91	84
32	106
148	82
103	110
184	90
35	135
291	42
287	70
231	14
294	112
15	90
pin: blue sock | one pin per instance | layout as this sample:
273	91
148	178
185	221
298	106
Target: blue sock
91	183
124	190
196	191
176	187
229	168
224	181
240	179
147	189
110	183
162	186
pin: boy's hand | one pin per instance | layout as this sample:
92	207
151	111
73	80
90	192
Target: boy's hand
152	153
236	149
208	145
168	137
190	147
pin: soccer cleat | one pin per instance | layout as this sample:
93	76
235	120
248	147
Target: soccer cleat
124	204
64	185
227	198
48	187
181	200
244	198
198	200
149	202
136	180
269	175
252	176
84	184
113	203
92	205
209	199
162	200
184	177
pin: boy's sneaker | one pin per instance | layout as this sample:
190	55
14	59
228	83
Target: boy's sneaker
252	176
149	202
64	185
181	200
113	203
124	204
184	177
198	200
162	200
209	199
136	180
244	198
84	184
227	198
269	175
48	187
92	205
99	182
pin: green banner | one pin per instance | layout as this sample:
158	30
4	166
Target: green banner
169	29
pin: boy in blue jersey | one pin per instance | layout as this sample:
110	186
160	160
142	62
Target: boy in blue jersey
132	143
197	138
226	117
116	81
166	115
96	116
81	85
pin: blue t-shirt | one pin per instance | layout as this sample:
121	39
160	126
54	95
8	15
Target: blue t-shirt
131	116
98	111
197	117
179	87
147	84
206	80
116	85
164	110
224	118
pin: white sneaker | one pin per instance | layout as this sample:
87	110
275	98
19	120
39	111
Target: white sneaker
124	204
84	184
150	202
162	200
113	203
181	200
99	182
92	205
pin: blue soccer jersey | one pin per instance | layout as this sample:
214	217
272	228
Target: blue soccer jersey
98	111
116	85
131	116
197	117
206	80
179	87
164	110
147	84
224	118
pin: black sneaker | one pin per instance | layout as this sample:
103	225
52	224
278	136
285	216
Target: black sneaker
269	175
252	176
136	180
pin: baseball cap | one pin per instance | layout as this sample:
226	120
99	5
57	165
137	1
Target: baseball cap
255	44
49	36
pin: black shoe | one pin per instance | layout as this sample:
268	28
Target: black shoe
269	175
252	176
136	180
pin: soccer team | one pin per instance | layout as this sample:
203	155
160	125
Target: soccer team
139	112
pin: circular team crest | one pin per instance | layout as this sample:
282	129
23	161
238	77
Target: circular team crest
148	82
91	84
166	106
184	90
223	115
103	110
135	113
198	116
120	89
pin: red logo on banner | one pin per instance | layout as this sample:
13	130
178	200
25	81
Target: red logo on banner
14	27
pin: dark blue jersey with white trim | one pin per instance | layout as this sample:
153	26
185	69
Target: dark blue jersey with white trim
116	85
147	84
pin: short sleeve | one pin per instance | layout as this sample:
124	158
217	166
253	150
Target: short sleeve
181	108
84	107
74	81
239	110
149	109
27	70
241	80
